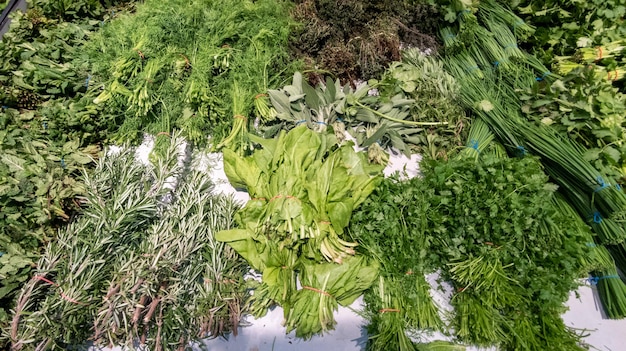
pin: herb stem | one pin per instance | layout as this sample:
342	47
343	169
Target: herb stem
415	123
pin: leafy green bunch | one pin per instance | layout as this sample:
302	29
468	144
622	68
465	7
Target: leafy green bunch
589	111
70	10
370	119
498	210
435	95
304	187
490	227
195	66
411	108
42	58
300	103
44	148
303	190
563	26
38	187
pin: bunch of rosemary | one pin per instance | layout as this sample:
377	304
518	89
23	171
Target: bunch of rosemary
140	264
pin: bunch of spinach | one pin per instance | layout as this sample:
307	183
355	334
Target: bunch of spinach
304	187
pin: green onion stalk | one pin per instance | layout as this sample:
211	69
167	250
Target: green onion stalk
478	139
608	233
592	260
505	37
483	43
449	38
618	252
486	49
479	97
611	289
487	52
566	158
493	10
543	73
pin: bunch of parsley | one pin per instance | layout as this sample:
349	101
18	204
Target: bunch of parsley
491	228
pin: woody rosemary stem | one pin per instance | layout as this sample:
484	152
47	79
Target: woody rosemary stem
414	123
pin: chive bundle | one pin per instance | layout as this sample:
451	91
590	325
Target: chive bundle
479	137
566	158
611	288
449	38
494	10
505	37
489	52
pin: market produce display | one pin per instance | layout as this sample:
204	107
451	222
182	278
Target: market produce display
516	108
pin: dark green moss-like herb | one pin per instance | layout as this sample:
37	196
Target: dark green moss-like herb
358	39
